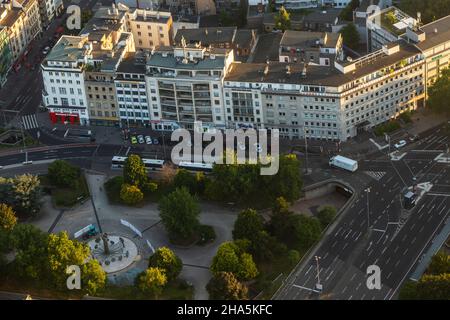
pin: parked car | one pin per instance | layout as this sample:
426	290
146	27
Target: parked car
155	141
148	139
400	144
141	138
414	137
133	140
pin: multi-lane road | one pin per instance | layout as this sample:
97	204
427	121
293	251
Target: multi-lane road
376	229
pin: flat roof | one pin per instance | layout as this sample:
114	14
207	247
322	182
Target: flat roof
170	62
206	36
67	49
307	39
315	75
432	38
129	64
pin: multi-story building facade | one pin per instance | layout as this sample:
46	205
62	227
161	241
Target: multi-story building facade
433	40
22	20
5	55
150	29
385	26
131	91
110	42
185	85
326	102
63	76
297	4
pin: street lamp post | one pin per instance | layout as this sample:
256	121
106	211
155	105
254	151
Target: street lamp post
368	209
318	284
24	144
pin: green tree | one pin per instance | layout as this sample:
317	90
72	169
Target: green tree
439	94
287	183
350	36
30	244
8	218
27	191
293	257
281	205
430	10
167	260
282	223
63	252
152	281
347	13
307	231
63	174
113	187
247	225
282	19
408	291
326	215
230	258
184	178
440	263
225	286
93	277
131	194
434	287
179	213
134	171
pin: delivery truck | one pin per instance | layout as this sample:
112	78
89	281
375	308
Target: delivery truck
343	163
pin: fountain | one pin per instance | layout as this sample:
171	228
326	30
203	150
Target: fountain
113	252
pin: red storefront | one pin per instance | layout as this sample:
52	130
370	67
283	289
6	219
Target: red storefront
71	118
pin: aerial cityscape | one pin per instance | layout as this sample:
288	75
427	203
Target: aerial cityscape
225	150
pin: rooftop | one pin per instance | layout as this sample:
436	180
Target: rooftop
10	16
132	63
68	49
316	75
169	61
323	16
207	36
306	39
436	32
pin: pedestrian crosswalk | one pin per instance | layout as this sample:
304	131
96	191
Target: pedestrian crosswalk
377	175
29	122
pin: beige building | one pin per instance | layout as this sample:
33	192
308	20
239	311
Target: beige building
433	40
110	42
22	20
150	29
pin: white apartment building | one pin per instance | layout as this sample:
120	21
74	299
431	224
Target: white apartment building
333	103
297	4
63	77
185	85
131	92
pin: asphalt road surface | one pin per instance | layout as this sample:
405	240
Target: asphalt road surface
390	237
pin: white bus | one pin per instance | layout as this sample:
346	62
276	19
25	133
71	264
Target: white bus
118	162
196	166
153	164
150	164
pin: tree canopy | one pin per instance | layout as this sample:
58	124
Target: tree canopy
8	218
22	193
282	19
430	10
134	171
350	36
230	258
439	94
131	194
179	213
152	281
63	174
225	286
167	260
